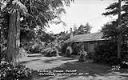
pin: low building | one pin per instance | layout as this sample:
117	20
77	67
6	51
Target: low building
89	40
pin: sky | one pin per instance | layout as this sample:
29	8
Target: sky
82	12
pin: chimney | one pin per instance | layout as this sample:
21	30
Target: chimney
71	33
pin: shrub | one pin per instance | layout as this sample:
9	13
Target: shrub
63	48
90	55
49	52
3	54
35	49
107	53
76	48
9	72
3	49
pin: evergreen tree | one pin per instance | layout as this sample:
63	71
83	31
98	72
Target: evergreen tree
83	29
33	13
111	29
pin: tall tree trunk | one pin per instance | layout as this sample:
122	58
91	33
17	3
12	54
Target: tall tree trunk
18	33
13	37
119	36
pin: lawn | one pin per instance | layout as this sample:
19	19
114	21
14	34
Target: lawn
63	68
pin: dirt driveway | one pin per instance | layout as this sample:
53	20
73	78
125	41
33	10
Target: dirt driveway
70	69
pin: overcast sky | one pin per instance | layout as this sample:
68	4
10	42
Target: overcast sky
83	11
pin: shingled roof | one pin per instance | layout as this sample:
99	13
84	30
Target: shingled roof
87	37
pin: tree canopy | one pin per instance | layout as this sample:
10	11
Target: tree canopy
26	15
83	29
117	30
37	12
110	29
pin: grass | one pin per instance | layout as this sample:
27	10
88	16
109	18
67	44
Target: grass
89	70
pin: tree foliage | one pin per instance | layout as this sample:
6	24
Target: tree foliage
83	29
32	13
39	12
110	29
107	52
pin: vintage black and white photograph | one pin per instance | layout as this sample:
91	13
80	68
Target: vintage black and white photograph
64	39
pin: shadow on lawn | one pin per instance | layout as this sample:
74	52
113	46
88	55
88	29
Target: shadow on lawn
84	67
87	68
59	58
23	62
35	55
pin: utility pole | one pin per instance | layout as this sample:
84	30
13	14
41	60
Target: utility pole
119	36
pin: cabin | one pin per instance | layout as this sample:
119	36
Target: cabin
90	41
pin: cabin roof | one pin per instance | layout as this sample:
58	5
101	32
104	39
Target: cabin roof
87	37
